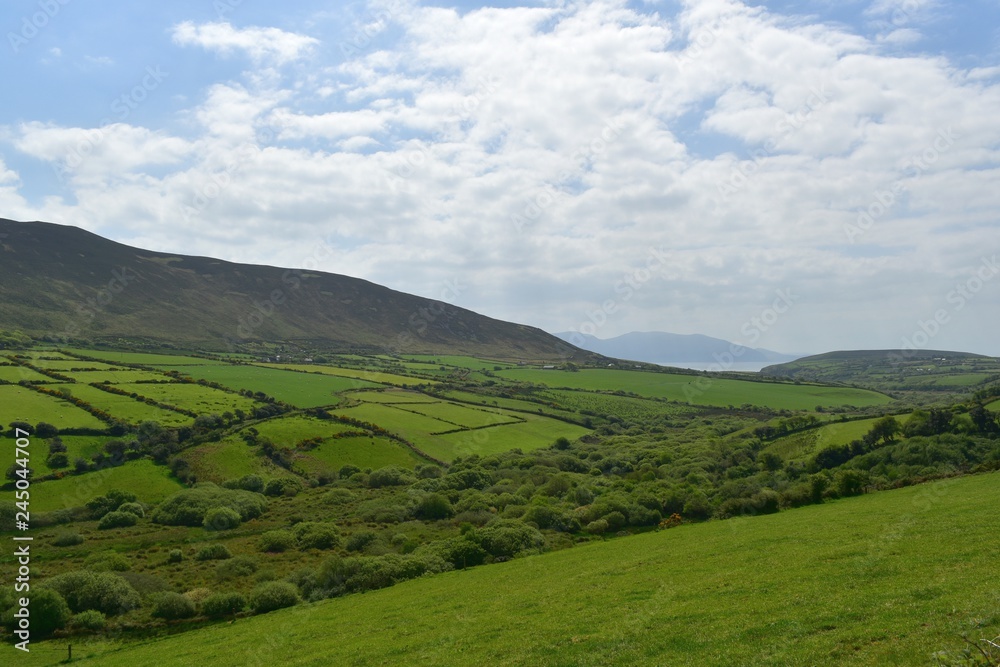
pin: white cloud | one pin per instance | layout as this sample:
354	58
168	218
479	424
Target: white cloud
540	155
261	44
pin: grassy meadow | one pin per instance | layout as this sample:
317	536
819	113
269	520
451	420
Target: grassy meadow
889	578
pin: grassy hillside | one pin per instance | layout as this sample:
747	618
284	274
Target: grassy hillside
701	390
920	375
67	284
888	578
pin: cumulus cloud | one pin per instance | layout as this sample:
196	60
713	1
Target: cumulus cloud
263	45
587	165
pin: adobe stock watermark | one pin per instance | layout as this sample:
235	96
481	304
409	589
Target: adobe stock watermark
32	24
87	311
212	187
958	298
121	108
625	288
366	27
744	170
544	197
885	198
751	330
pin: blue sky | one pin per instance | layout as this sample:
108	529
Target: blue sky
539	154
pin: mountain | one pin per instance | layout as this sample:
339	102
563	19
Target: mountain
660	347
897	371
64	283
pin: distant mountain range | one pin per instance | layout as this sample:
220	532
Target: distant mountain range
659	347
65	284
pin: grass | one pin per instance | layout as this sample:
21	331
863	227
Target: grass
534	432
117	376
392	396
143	358
201	400
701	390
806	443
150	482
20	404
363	452
15	374
888	578
230	458
123	407
471	363
289	431
304	390
363	378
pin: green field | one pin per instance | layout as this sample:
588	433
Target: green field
399	396
533	433
61	365
150	482
143	358
230	458
884	579
804	445
994	406
701	390
123	407
116	376
15	374
289	431
471	363
304	390
363	378
423	424
21	404
197	398
361	451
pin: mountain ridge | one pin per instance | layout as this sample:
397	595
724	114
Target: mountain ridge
63	283
660	347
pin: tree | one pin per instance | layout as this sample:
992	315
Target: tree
49	611
433	507
172	606
884	429
273	595
45	431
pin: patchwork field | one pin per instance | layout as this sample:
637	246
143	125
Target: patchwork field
363	378
124	408
800	446
151	482
700	390
15	374
21	404
143	358
197	398
304	390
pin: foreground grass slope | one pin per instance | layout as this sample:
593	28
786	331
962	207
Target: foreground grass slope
887	578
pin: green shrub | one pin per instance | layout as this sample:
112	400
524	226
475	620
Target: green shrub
172	606
317	535
598	527
109	502
213	552
337	497
241	566
47	610
188	507
390	476
276	541
273	595
505	538
221	518
133	508
247	483
117	519
57	460
223	604
104	591
433	507
108	561
175	556
91	619
67	538
283	486
361	540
